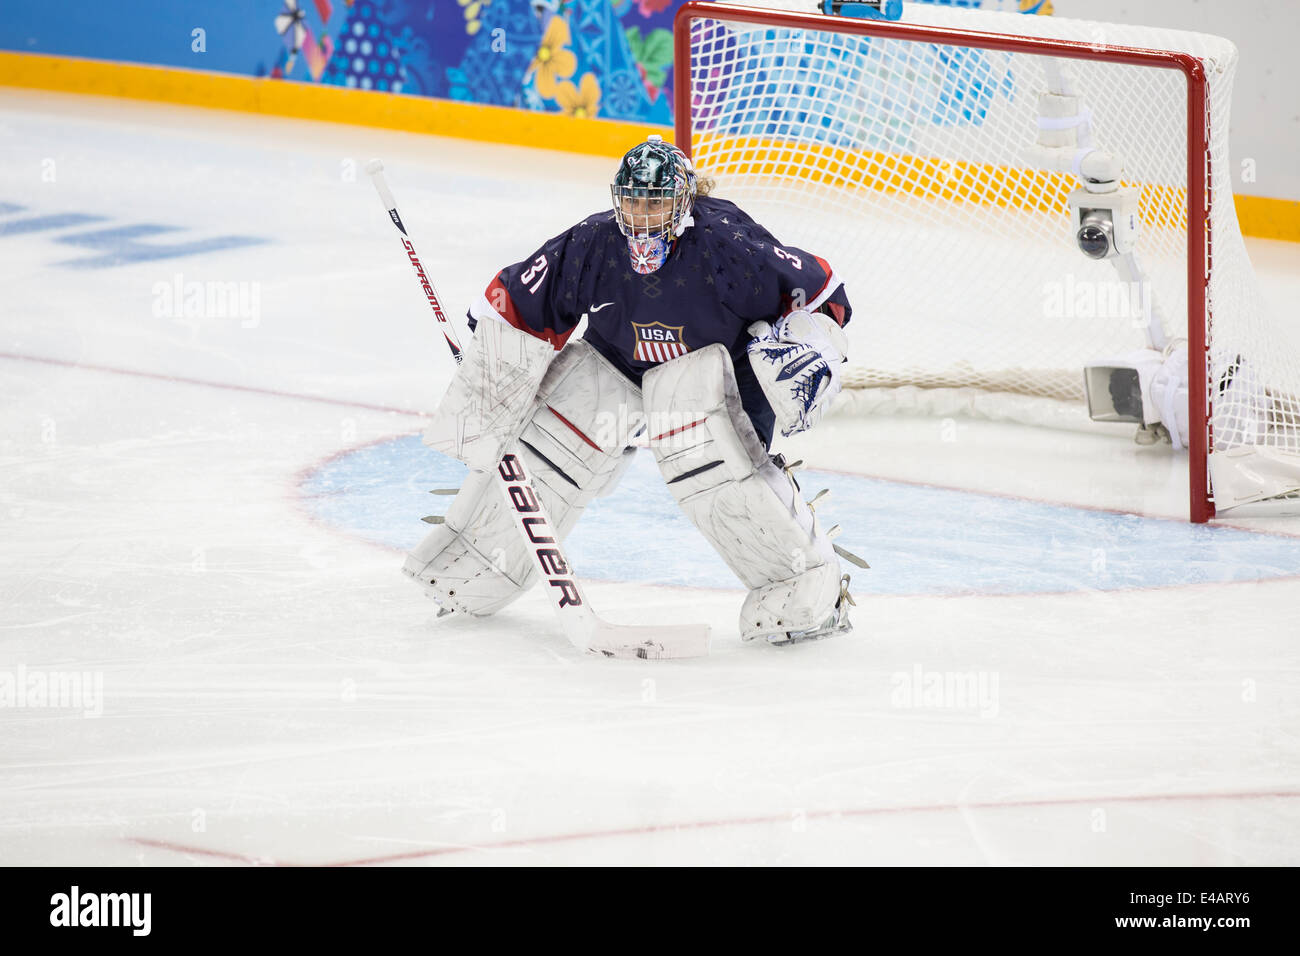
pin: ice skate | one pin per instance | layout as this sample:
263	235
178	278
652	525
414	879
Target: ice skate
836	623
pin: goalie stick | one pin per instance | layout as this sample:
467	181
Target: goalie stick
580	624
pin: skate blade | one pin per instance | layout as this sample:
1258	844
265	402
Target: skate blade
781	640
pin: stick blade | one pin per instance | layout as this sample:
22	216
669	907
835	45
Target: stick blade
649	642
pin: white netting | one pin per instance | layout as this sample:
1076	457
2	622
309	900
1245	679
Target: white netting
904	164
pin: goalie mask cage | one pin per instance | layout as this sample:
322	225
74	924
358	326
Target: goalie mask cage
903	152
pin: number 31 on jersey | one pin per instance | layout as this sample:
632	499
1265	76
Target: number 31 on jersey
536	271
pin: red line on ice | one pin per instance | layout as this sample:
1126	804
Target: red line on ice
654	828
177	379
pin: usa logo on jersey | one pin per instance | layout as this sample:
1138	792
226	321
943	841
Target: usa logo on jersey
657	342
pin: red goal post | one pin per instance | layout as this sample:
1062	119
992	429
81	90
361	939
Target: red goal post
1198	167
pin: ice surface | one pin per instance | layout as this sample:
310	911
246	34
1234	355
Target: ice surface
200	518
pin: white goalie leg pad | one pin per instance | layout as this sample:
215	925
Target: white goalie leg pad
749	508
586	414
466	563
575	444
490	396
797	363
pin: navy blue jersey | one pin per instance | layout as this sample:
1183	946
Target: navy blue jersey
724	273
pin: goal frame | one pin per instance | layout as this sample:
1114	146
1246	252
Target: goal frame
1201	507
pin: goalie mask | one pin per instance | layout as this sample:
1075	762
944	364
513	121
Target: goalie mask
653	192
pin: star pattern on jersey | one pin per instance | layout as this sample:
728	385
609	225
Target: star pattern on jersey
710	276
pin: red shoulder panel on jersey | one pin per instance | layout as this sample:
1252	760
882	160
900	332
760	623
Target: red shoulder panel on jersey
826	268
498	297
817	301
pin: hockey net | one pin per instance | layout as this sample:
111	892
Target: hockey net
907	163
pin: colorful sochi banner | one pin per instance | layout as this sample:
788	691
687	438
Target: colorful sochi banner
610	59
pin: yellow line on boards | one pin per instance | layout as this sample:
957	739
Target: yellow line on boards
335	104
1267	218
1259	215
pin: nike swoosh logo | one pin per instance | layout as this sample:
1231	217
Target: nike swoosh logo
597	308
